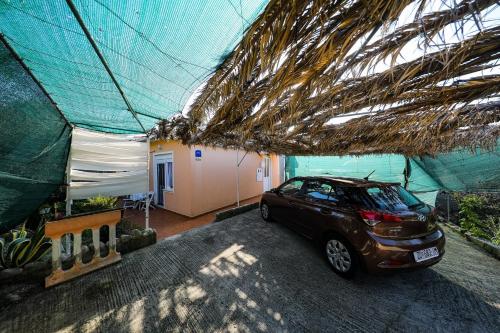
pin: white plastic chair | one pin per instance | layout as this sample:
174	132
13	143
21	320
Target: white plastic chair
133	201
150	196
129	203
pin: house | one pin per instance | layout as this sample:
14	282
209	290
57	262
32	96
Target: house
193	180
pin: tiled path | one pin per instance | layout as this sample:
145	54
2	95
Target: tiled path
167	223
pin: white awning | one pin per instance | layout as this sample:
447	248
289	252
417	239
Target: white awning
107	164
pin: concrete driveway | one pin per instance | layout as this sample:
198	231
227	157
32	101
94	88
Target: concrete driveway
245	275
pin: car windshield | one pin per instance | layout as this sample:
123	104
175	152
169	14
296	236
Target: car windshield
393	198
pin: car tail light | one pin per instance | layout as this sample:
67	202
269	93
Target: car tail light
372	217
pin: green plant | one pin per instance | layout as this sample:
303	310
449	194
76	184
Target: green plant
125	226
94	204
493	224
19	248
473	219
102	202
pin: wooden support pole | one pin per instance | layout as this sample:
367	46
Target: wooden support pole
237	178
238	163
67	238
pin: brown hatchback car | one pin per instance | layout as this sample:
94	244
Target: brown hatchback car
359	223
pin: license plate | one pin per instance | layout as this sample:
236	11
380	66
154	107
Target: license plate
426	254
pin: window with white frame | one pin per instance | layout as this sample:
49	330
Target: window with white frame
170	176
164	175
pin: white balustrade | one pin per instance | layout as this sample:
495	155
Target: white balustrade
75	225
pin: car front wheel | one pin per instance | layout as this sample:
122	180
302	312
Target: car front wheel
341	256
265	212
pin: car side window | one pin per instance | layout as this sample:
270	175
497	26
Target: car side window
292	187
335	195
318	190
354	196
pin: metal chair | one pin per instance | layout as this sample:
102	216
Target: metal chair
150	197
131	202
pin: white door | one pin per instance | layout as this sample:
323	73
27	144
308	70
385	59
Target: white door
266	179
163	176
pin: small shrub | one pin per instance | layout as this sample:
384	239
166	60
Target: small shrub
94	204
102	202
494	226
125	227
473	219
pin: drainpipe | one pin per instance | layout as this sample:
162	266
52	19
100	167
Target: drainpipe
147	192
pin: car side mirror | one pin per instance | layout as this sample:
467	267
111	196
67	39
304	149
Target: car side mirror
276	191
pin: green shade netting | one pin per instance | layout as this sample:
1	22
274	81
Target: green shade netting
458	171
463	170
159	51
34	144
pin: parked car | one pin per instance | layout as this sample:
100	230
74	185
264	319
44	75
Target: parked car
359	223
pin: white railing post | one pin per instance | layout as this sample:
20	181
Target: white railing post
77	247
56	254
97	242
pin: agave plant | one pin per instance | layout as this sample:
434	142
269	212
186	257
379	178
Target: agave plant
23	248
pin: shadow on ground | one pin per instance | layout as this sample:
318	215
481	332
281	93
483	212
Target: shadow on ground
246	275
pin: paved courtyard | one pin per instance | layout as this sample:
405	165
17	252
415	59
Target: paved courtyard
245	275
167	223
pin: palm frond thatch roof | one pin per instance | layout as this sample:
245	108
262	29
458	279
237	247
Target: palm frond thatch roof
303	65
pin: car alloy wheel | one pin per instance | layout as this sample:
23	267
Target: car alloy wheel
265	212
338	255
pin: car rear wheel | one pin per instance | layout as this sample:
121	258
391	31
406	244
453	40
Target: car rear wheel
265	212
341	256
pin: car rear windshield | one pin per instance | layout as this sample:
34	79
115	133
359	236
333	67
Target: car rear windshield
385	197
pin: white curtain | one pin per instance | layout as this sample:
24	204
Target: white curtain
107	164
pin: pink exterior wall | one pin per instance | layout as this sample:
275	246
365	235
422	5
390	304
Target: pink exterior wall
180	200
201	186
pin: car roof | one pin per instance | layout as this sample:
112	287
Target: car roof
346	181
